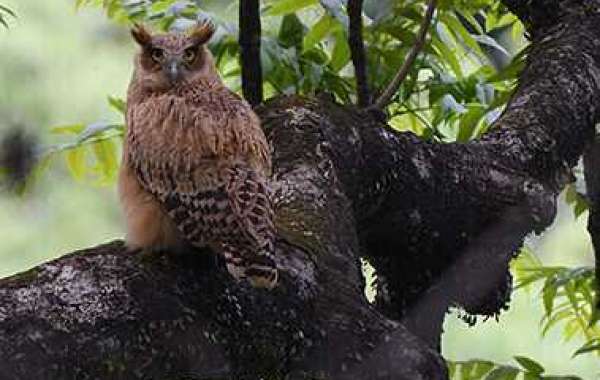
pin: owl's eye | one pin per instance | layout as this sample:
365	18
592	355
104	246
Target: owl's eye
157	55
189	55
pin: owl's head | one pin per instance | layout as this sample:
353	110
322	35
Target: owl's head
168	60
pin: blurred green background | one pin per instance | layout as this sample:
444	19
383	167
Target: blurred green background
57	67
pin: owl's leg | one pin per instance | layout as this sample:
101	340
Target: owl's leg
259	269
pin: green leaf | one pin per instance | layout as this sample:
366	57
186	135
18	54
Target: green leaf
73	129
118	104
530	365
571	328
558	316
340	56
489	41
319	30
481	369
291	32
468	123
503	373
548	295
512	71
450	105
459	31
336	9
80	3
76	162
450	58
378	10
7	10
106	154
281	7
591	346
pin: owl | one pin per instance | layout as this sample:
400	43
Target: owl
195	160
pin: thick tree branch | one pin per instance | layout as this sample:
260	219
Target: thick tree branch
387	95
517	169
110	313
357	49
249	39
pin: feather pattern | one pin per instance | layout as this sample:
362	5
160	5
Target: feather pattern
198	151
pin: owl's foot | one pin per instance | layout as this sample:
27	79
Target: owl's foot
262	277
144	251
260	271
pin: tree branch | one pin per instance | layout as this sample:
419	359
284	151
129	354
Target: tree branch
357	49
438	202
110	313
249	39
387	95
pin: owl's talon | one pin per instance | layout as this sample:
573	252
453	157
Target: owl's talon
264	282
236	272
265	278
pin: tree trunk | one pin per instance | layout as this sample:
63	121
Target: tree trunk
439	222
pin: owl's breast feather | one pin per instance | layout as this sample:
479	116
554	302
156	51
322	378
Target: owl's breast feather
172	130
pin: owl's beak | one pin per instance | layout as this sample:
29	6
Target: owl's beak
173	71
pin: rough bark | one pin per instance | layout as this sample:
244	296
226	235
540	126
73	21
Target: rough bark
109	313
438	222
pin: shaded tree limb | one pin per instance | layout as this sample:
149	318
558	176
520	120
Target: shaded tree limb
107	312
387	95
436	202
357	50
249	40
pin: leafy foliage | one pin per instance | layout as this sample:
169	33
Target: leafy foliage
4	13
455	92
576	200
568	298
568	295
528	369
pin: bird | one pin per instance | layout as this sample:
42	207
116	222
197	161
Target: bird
196	164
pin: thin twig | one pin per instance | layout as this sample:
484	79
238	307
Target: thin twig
385	98
249	40
357	49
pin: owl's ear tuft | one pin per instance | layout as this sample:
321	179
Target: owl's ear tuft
141	35
202	32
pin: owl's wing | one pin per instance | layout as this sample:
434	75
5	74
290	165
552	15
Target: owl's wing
234	218
249	197
206	161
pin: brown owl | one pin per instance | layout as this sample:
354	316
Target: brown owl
195	160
